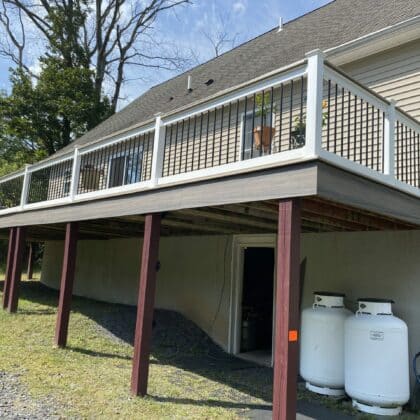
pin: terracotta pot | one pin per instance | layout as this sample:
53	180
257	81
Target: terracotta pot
263	136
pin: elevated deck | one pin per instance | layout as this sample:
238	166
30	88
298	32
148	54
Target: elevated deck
304	131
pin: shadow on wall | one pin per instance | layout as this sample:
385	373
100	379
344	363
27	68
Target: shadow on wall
176	341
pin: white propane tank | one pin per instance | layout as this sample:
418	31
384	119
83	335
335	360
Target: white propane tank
376	359
322	344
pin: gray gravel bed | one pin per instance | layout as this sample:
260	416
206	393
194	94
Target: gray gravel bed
16	403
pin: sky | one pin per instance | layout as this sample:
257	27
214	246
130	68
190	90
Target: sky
187	26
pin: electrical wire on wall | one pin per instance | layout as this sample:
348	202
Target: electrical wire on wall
222	290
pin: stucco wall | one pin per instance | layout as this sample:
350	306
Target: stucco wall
194	278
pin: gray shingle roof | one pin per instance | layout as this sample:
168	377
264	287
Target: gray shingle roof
334	24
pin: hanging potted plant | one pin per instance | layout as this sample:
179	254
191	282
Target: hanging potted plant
298	134
263	133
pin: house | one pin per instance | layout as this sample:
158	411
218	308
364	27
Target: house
287	165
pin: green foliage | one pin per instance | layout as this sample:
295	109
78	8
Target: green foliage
41	116
263	104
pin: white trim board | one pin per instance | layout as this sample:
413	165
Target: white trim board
239	243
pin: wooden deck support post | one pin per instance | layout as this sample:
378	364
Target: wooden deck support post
286	348
16	271
145	305
66	287
30	269
9	265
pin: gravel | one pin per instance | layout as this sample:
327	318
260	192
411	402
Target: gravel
16	403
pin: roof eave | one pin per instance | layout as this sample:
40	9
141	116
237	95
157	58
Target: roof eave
375	42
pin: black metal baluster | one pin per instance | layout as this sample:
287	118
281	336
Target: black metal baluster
243	140
228	133
329	114
182	145
348	125
262	122
367	136
361	132
281	116
176	148
214	137
303	123
342	123
188	144
291	114
207	138
169	150
355	129
193	142
335	117
253	126
236	131
271	120
221	135
201	137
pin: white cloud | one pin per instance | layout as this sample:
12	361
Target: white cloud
239	7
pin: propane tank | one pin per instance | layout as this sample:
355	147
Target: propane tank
322	344
376	358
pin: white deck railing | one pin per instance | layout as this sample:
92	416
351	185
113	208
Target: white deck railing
307	111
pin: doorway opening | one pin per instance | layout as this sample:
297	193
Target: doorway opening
256	339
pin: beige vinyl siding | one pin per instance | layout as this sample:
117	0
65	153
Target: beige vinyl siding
219	134
394	74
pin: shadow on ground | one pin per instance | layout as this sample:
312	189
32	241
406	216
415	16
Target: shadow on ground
180	343
176	341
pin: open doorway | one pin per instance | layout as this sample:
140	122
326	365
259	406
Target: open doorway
256	335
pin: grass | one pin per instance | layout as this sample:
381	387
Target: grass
91	377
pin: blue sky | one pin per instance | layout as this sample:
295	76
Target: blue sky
186	26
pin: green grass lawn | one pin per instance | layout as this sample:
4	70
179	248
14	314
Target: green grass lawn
91	378
190	377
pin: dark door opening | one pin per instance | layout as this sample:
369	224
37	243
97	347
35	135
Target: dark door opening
257	299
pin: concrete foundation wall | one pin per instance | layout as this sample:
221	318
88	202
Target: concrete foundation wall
195	278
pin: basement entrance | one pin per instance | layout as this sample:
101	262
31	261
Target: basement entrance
257	305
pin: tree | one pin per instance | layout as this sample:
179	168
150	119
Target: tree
104	36
39	118
219	34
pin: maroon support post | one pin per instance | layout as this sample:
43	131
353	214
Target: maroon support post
66	287
16	271
146	298
30	270
287	311
9	266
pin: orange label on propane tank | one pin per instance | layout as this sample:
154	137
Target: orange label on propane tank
293	335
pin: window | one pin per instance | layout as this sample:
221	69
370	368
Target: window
67	182
125	168
255	140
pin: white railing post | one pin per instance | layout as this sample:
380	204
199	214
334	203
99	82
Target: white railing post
25	187
158	150
313	133
389	140
75	172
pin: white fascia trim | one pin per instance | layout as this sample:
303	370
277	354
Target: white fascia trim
374	42
350	166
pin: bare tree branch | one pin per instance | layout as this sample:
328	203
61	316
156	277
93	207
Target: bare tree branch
114	34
